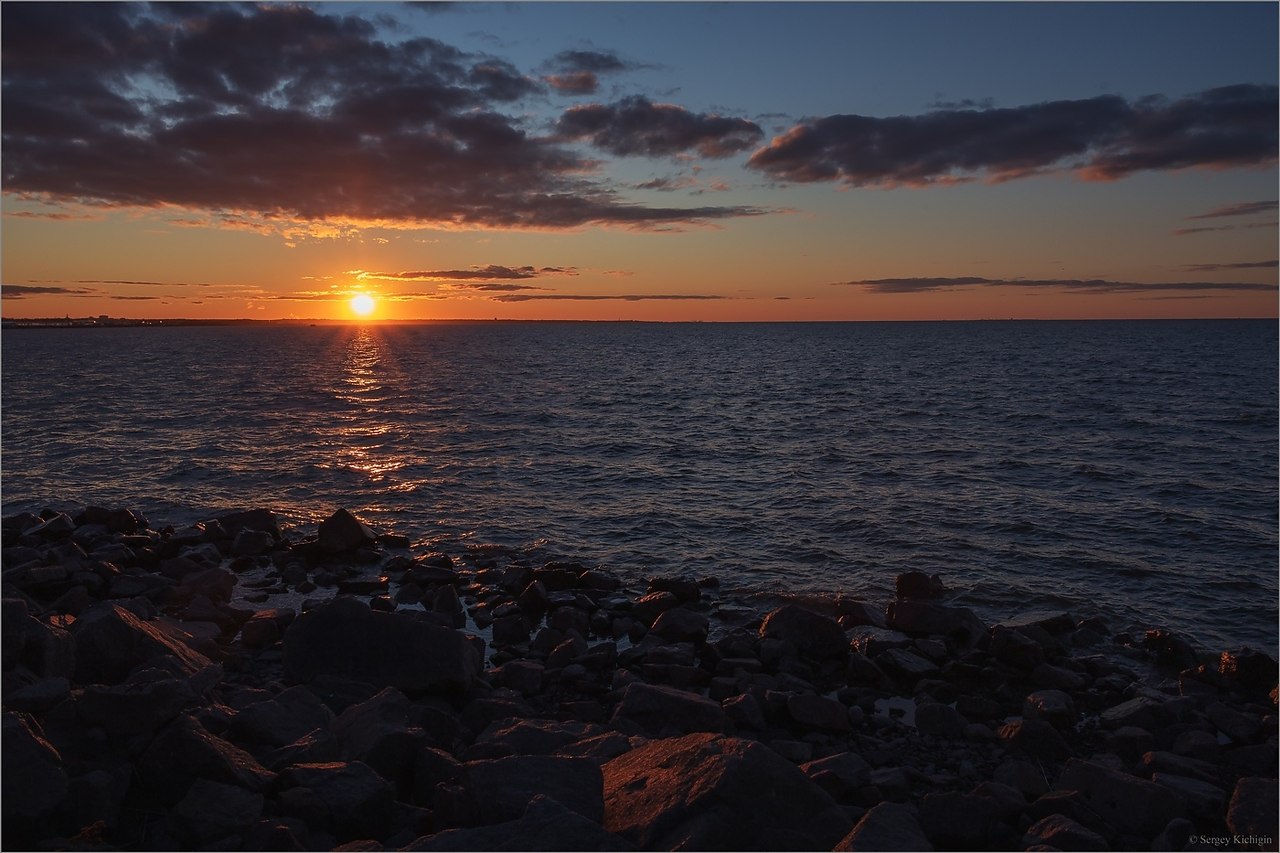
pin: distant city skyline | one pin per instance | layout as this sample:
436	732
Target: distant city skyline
664	161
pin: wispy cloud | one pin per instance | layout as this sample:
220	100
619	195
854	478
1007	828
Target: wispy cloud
20	291
1102	138
577	72
200	107
1248	265
1096	285
637	126
492	271
601	297
1247	208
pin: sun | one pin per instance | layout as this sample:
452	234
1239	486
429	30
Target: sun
362	304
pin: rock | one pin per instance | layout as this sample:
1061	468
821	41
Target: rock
251	543
649	607
854	613
342	532
282	720
681	625
530	737
705	792
1058	678
923	618
1036	738
545	825
39	696
111	641
682	588
32	779
812	634
377	732
818	712
523	675
1205	801
1134	806
1237	725
212	810
1141	711
1170	649
744	710
1130	742
1253	810
664	711
934	718
839	774
904	666
345	638
184	751
888	826
354	801
1053	706
1015	648
957	821
506	786
1059	832
1159	761
45	651
918	585
137	707
254	519
1253	671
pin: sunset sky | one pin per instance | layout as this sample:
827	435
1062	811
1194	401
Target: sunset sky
663	161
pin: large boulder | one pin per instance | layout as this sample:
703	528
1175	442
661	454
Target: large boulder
184	752
545	825
662	711
710	792
343	532
111	641
213	810
33	779
922	618
888	826
1253	810
345	638
812	634
346	798
1133	806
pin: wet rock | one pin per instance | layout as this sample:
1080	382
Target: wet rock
251	543
342	533
888	826
904	665
111	641
347	798
1134	806
923	618
506	786
1015	648
1170	649
1059	832
648	608
682	588
212	810
957	821
263	520
345	638
812	634
705	791
32	777
1253	671
918	585
1253	810
664	711
545	825
681	625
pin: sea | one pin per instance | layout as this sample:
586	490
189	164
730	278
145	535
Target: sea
1124	469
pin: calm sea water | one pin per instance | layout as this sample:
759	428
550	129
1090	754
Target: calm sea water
1121	468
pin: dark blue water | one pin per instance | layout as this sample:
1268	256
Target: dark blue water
1123	468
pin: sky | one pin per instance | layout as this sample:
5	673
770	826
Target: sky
639	161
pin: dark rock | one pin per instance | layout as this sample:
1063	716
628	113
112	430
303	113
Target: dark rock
1132	805
934	718
682	588
1237	725
377	732
44	651
184	751
1204	801
681	625
111	641
1253	671
918	585
812	634
1170	649
33	780
745	710
904	665
39	696
137	707
530	737
1253	809
704	792
648	608
1059	832
511	630
1053	706
923	618
665	711
818	712
888	826
506	786
1159	761
957	821
1130	742
1141	711
522	675
1036	738
281	720
1023	776
839	775
251	543
545	825
263	520
354	801
1015	648
345	638
212	810
342	533
1058	678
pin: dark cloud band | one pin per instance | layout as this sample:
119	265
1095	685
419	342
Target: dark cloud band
637	126
924	285
1101	138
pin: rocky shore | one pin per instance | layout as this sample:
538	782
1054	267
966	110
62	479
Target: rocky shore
158	697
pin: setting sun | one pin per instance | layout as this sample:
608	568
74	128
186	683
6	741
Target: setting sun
362	304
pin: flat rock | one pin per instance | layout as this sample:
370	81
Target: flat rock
710	792
345	638
1059	832
812	634
923	618
1132	805
888	826
662	711
1253	808
679	624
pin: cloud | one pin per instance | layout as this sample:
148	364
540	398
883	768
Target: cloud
577	72
600	297
491	271
1249	265
142	283
1246	208
21	291
637	126
574	83
272	115
134	298
1102	138
1182	232
1096	285
491	286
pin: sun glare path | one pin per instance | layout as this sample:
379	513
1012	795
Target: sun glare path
362	304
